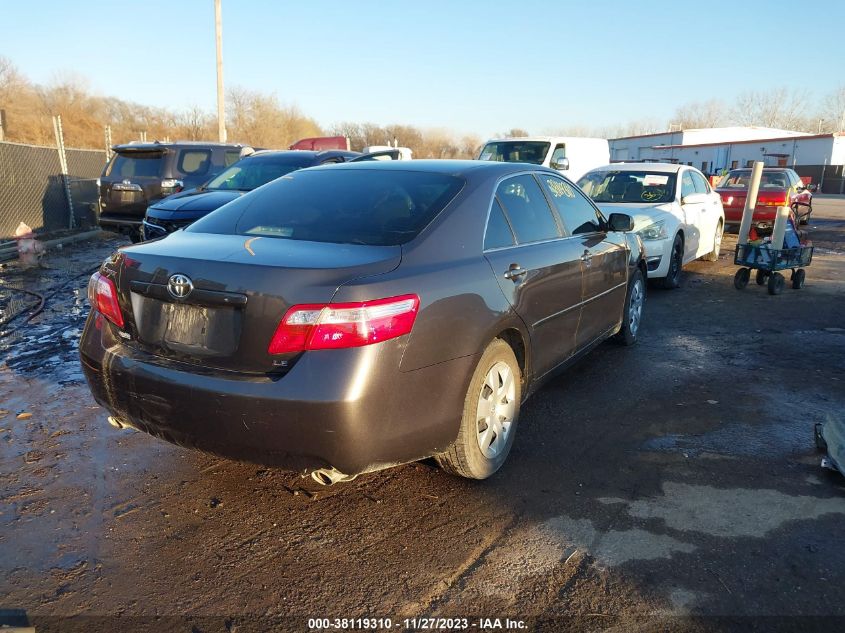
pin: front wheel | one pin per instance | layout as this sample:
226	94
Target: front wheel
741	278
676	262
713	256
491	410
633	313
776	283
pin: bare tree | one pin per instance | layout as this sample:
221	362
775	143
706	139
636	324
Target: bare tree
832	115
779	108
700	114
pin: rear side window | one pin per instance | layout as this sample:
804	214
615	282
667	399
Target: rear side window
576	212
527	209
361	206
136	165
498	233
194	162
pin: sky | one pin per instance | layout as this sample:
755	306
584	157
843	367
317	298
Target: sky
468	66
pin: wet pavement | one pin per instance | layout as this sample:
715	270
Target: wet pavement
670	486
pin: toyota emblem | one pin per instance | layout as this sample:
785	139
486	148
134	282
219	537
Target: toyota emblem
180	286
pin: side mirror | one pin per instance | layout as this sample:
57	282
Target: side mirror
561	164
620	222
812	188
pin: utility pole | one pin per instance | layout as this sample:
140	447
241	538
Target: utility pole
221	114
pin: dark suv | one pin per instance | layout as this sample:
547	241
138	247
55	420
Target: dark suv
181	209
141	173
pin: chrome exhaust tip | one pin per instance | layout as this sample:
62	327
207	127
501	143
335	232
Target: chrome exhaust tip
329	476
118	423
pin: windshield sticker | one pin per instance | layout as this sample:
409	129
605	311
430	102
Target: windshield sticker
654	180
559	188
650	195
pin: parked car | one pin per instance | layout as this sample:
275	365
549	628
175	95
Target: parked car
678	216
348	318
141	173
573	156
779	187
181	209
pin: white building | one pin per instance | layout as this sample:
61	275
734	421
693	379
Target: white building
818	158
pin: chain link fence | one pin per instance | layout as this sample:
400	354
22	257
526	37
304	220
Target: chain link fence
32	189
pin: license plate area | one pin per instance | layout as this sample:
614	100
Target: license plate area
187	329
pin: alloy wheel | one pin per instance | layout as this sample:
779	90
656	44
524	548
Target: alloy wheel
635	306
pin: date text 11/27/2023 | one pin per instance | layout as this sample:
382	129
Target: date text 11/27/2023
416	624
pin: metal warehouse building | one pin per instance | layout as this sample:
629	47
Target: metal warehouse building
818	158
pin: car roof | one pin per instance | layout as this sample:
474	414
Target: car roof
154	145
669	168
545	139
305	154
764	169
445	166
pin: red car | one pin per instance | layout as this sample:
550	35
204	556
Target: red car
779	187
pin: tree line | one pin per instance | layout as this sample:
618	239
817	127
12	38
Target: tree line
261	120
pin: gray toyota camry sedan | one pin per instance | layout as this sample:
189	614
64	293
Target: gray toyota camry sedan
345	319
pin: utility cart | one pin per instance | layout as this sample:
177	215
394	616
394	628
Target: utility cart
767	262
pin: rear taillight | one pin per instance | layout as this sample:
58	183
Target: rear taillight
169	186
102	294
338	325
773	199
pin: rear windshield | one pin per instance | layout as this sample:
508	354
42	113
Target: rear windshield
533	152
634	187
252	172
374	207
739	179
136	164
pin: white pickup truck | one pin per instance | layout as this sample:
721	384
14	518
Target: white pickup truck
573	156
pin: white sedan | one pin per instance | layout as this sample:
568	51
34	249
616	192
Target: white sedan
677	214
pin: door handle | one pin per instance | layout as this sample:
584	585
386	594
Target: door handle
515	272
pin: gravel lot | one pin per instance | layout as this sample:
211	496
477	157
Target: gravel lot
670	486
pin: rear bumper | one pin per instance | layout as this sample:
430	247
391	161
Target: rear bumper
762	218
349	409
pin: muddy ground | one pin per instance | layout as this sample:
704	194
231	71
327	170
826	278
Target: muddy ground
670	486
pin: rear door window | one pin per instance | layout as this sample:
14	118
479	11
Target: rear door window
577	213
231	157
527	209
194	162
499	234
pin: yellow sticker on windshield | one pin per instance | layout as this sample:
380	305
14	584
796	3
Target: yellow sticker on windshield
559	188
651	194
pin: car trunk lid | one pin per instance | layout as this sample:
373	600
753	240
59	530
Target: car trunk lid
221	313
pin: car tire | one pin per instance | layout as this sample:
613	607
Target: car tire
761	277
497	380
776	283
741	278
713	256
676	263
633	313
